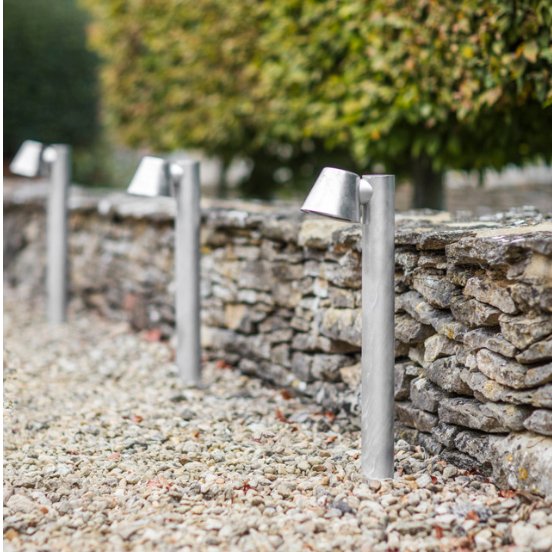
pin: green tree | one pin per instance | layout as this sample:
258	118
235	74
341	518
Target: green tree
50	77
418	87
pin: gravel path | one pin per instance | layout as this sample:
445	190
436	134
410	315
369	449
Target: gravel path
105	450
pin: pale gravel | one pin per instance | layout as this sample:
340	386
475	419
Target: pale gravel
105	450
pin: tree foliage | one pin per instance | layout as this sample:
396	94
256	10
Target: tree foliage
417	86
50	82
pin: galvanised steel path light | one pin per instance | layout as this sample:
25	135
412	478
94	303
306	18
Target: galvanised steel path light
29	161
158	177
369	200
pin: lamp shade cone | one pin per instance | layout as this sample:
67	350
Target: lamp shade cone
335	194
27	159
151	178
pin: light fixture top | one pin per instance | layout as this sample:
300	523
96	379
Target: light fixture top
27	160
335	194
151	179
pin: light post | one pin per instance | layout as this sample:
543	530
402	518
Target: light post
369	200
29	161
158	177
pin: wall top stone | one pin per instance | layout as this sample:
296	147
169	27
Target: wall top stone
500	237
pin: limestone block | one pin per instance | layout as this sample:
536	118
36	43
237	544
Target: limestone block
435	288
445	433
405	372
351	375
346	273
489	339
538	352
414	304
519	460
316	233
432	260
492	292
414	417
425	395
523	331
312	343
343	325
327	366
342	298
540	421
485	388
408	330
437	346
406	258
488	417
511	373
474	313
446	373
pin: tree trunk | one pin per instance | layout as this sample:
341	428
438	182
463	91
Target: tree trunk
222	184
428	186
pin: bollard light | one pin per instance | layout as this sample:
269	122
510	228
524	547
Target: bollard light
369	200
157	177
29	161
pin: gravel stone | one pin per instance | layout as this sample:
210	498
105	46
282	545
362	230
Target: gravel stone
105	449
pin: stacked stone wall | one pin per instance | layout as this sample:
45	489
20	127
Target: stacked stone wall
281	301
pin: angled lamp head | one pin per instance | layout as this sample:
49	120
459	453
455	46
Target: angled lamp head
27	160
152	178
335	194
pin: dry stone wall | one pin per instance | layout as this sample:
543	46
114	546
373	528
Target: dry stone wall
281	301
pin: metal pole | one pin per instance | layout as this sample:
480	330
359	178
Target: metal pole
188	350
57	234
378	331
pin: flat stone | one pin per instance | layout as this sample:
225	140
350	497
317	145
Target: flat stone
351	375
408	330
518	460
327	366
343	325
435	288
489	339
437	346
445	433
523	331
446	373
511	373
425	395
485	389
538	352
318	343
488	417
500	369
540	421
415	305
405	372
492	292
414	417
474	313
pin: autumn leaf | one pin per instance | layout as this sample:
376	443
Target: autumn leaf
153	335
286	394
281	417
222	365
438	531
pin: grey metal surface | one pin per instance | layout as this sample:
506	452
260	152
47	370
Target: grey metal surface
187	259
28	159
335	194
151	179
57	271
378	339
